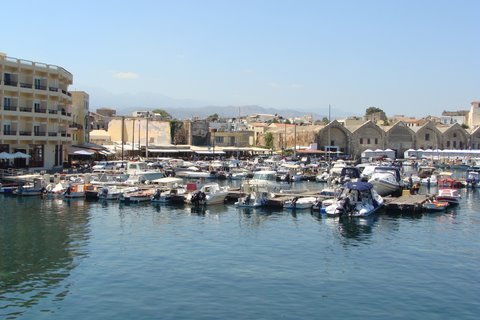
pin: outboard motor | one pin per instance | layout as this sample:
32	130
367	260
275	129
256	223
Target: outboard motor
156	195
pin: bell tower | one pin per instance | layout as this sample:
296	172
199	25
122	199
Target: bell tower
474	115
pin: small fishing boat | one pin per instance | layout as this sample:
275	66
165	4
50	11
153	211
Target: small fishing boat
299	203
452	196
435	206
254	199
36	188
7	189
137	196
74	191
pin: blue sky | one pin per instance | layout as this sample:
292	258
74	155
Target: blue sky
406	57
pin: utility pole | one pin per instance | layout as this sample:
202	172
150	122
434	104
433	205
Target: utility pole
123	134
133	137
146	141
329	137
285	137
295	139
139	146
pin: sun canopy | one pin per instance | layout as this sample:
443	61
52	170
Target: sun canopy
359	185
6	156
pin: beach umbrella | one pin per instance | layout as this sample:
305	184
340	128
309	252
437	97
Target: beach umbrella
6	156
83	153
21	155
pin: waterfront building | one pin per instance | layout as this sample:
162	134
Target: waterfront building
454	137
366	136
141	131
79	126
474	141
334	134
35	111
399	137
428	136
452	117
232	138
474	114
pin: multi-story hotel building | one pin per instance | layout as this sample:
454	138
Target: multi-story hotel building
35	111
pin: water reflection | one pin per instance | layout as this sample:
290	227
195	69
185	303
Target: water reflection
40	243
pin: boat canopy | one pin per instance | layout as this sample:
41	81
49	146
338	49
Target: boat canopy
359	185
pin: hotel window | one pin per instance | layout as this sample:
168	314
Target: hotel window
427	136
36	106
218	139
361	140
6	102
38	83
36	130
6	129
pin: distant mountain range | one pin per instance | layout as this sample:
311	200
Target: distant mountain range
235	111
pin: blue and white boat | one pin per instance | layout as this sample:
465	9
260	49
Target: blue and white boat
358	199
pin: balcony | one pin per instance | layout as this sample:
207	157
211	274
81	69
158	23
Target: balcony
10	83
25	109
10	108
40	87
25	133
40	110
26	85
52	111
10	133
40	134
52	134
53	89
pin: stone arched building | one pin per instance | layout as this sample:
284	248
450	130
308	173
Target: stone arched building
428	136
454	137
366	136
338	135
399	138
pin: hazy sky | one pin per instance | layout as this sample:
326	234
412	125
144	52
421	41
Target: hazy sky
406	57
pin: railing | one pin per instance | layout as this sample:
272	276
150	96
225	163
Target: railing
40	110
10	133
40	134
25	133
39	87
25	109
52	111
53	89
25	85
10	108
11	172
10	83
52	134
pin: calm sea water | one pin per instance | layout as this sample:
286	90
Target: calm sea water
103	260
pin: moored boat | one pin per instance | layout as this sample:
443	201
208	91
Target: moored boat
357	199
435	206
452	196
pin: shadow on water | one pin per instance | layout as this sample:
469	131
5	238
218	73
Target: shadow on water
41	242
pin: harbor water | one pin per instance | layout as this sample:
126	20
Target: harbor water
104	260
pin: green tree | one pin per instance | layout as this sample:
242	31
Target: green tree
164	114
269	140
371	110
386	122
213	117
465	126
287	121
325	120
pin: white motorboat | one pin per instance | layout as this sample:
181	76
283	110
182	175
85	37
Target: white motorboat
452	196
322	177
139	172
114	192
137	196
209	194
169	189
253	200
386	180
74	191
299	203
55	189
37	188
264	178
357	199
